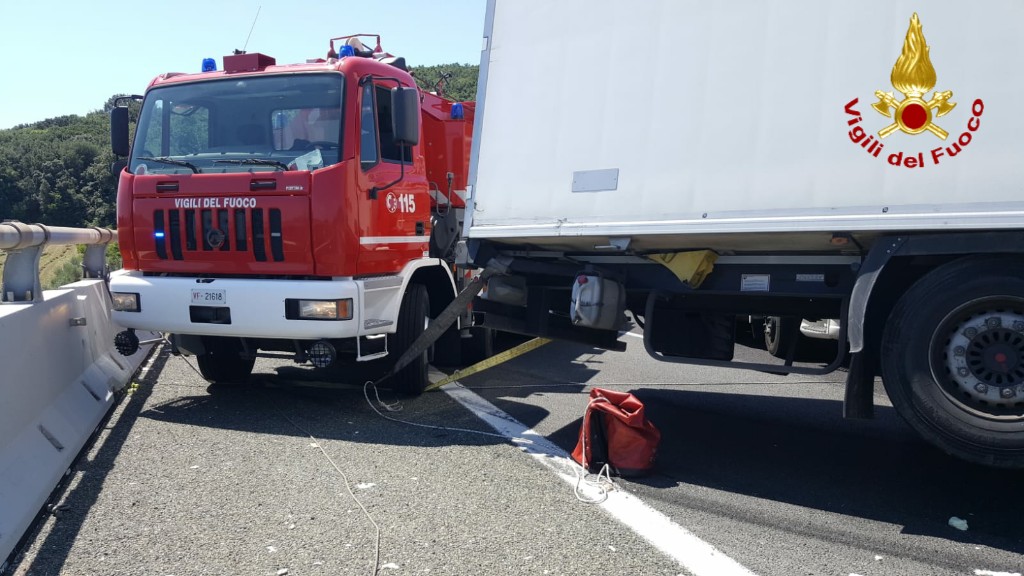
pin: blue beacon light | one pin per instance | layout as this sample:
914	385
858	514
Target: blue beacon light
209	65
158	234
457	111
346	50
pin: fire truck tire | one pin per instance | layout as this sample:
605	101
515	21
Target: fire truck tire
223	363
952	358
413	317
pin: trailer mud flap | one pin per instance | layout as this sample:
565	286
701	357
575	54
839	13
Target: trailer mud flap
687	333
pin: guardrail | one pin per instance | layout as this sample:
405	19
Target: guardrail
24	245
59	374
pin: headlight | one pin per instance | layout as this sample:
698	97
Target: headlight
320	309
125	301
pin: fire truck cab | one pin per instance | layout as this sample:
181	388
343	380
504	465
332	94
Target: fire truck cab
309	208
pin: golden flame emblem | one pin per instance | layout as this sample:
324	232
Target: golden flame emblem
913	75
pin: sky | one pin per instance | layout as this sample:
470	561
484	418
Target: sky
69	56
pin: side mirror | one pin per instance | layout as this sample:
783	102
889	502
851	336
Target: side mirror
405	115
119	131
118	166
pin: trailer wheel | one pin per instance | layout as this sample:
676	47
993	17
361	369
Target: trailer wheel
413	317
953	359
222	362
780	332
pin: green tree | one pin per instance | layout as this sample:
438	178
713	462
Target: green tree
454	81
56	171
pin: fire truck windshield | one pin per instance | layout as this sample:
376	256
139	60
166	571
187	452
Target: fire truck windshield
253	123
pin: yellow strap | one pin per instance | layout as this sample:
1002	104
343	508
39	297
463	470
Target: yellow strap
490	362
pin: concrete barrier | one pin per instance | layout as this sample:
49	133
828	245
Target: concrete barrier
58	378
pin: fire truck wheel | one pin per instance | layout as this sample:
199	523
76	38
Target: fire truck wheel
223	363
953	359
413	317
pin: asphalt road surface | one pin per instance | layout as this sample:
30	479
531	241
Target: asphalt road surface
756	474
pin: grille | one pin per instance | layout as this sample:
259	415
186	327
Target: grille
184	235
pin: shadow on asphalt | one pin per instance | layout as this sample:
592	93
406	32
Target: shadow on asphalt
79	498
294	401
794	450
785	450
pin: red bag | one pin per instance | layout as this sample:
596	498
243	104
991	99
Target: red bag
616	432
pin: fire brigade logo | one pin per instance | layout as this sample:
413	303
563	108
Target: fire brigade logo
391	201
913	75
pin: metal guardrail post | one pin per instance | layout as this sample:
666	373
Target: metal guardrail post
24	245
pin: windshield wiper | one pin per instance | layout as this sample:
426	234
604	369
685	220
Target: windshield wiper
166	160
257	162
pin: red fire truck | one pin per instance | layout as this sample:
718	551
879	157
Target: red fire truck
310	209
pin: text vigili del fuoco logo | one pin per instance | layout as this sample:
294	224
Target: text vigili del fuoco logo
913	76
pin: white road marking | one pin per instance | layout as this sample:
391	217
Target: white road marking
692	553
634	335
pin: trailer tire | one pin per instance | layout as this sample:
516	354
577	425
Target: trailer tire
413	317
222	361
952	356
780	332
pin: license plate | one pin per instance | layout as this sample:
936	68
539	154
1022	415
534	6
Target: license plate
207	297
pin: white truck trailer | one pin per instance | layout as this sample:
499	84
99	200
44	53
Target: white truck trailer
691	163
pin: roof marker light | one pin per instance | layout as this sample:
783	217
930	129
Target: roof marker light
209	65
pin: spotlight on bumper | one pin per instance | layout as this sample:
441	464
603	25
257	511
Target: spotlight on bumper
126	342
322	354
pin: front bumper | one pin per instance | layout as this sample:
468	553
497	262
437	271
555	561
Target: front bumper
256	307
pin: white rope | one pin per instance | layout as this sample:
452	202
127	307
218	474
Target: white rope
625	384
603	483
397	407
348	484
348	487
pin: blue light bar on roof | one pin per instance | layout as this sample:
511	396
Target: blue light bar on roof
209	65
